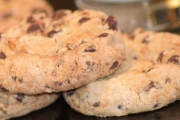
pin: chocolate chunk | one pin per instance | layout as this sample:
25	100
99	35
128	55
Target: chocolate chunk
96	104
135	57
3	111
150	86
14	78
161	55
168	80
51	33
112	23
20	97
156	105
34	28
3	89
146	71
2	55
91	48
70	92
58	83
59	14
119	106
146	40
68	81
174	59
89	63
114	65
20	80
103	35
82	20
30	19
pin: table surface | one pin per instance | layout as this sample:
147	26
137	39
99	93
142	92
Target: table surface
61	111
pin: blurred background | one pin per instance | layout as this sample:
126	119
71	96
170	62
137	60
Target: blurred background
63	4
157	15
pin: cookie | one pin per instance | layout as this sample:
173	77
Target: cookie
16	105
147	80
13	11
59	53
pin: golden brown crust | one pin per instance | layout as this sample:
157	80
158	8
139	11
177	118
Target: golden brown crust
147	80
68	51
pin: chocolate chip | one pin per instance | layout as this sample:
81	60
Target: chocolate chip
3	111
96	104
33	28
54	73
168	80
174	59
119	106
146	71
114	65
3	89
156	105
161	55
89	63
82	20
51	33
112	23
146	40
59	14
2	55
19	97
91	48
70	92
68	81
30	19
135	57
20	80
58	83
6	15
14	78
150	86
103	35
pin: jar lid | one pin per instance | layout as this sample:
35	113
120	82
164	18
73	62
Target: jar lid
119	1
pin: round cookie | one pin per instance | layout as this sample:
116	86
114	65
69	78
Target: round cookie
13	11
147	80
59	53
16	105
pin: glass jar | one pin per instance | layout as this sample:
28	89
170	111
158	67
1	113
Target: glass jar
149	14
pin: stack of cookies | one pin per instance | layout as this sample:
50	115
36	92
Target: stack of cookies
43	53
84	56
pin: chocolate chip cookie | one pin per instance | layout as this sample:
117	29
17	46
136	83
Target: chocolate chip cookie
147	80
59	53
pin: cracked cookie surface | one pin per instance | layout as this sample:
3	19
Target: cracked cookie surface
61	52
147	80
